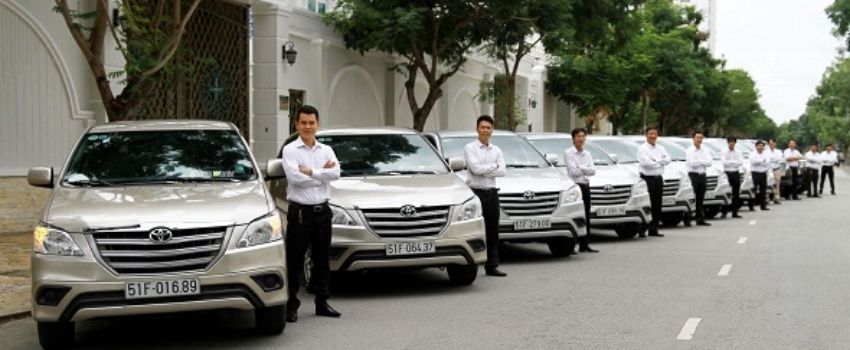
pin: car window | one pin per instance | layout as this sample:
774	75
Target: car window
517	152
147	157
715	147
384	154
626	151
676	148
559	145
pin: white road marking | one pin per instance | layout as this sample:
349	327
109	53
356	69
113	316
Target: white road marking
689	329
742	240
752	222
724	271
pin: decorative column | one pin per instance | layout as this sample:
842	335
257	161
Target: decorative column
270	79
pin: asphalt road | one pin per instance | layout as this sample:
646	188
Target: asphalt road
786	287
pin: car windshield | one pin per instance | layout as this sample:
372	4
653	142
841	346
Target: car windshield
560	145
715	147
384	154
625	150
149	157
745	147
517	152
676	148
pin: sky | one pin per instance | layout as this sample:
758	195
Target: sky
785	45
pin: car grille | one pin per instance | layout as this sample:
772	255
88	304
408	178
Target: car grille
711	183
671	187
133	252
614	195
389	222
519	204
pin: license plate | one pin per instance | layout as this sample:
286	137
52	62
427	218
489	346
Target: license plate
410	248
532	224
612	211
160	289
669	201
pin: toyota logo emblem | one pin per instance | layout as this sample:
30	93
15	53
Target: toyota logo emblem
408	210
528	195
608	188
160	235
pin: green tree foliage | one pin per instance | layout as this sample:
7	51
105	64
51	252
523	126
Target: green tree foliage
827	116
839	14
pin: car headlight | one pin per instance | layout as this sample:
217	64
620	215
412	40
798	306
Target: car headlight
571	195
341	217
51	241
266	229
469	210
685	183
640	188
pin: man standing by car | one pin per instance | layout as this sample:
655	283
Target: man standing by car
829	159
759	166
485	162
580	167
652	159
813	164
697	160
793	156
732	163
310	167
776	160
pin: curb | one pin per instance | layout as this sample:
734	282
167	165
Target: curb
14	316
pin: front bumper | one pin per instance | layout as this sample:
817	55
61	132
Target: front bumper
567	221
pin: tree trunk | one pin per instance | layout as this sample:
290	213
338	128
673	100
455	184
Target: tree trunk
511	105
644	103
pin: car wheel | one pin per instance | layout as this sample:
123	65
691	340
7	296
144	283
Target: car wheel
56	335
627	230
711	212
562	246
462	275
270	320
671	220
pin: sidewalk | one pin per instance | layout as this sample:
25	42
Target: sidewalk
15	251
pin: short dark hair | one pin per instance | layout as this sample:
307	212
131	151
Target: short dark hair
650	129
697	132
732	139
829	145
306	109
485	118
771	139
577	131
759	142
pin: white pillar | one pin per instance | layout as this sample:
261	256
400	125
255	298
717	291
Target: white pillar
270	80
536	96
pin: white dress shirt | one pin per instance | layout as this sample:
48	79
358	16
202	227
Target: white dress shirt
652	159
829	158
776	158
760	162
579	165
697	160
484	164
792	153
732	160
314	189
813	160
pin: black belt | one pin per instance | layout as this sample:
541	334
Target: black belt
696	174
485	190
644	175
315	208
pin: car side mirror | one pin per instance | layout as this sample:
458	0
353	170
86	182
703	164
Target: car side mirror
615	157
274	169
40	177
457	164
552	158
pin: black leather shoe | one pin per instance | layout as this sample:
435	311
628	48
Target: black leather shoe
737	216
494	271
687	224
292	315
765	209
797	198
587	249
642	234
656	234
703	224
324	309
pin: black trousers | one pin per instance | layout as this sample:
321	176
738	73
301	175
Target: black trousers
585	196
735	182
308	225
760	186
490	210
699	184
827	171
795	178
812	186
655	185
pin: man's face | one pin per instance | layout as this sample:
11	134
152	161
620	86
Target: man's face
731	145
792	144
760	147
307	124
813	148
772	144
579	140
652	136
698	140
485	130
829	148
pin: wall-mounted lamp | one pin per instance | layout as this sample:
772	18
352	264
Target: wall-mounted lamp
532	102
118	20
289	52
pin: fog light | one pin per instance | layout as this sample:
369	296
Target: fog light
477	245
268	282
580	222
51	295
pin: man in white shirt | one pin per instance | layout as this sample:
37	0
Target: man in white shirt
652	159
484	163
310	167
793	156
813	164
759	166
579	168
697	160
732	163
829	159
776	160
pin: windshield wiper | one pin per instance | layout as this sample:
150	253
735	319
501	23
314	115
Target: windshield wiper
406	172
89	183
519	166
176	180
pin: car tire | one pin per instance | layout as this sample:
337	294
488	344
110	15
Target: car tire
462	275
270	320
711	212
562	246
56	335
671	220
627	230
